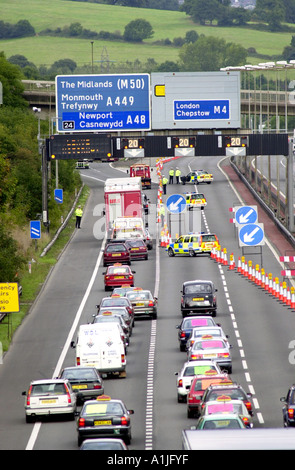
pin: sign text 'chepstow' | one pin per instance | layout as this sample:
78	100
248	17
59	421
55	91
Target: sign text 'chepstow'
103	102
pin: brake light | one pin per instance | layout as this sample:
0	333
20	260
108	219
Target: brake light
246	420
151	303
290	413
124	421
122	358
194	357
29	396
81	423
182	334
78	361
180	383
223	354
248	405
130	276
68	395
97	386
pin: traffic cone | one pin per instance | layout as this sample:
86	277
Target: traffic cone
213	253
262	278
250	270
270	283
232	265
162	244
277	288
246	269
292	304
224	257
288	301
239	265
243	265
266	287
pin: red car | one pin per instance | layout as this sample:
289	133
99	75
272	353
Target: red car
116	253
118	275
198	386
137	248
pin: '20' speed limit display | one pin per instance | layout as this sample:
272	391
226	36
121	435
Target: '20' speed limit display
102	103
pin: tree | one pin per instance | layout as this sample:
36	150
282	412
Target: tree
10	77
137	30
191	36
210	54
271	12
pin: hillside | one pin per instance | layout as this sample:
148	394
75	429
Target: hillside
44	50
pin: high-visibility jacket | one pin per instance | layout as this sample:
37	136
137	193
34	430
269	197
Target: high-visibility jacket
177	173
165	180
78	212
171	172
162	210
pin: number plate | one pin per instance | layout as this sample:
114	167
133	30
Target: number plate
119	277
48	401
103	422
79	387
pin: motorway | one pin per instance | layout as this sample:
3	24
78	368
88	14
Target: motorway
260	327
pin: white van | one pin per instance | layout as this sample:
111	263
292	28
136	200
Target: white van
100	345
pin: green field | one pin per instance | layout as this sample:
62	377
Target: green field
166	24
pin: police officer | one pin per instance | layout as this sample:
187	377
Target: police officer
177	175
162	214
78	214
164	182
171	175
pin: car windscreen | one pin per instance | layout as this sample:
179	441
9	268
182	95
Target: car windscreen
198	289
48	389
115	248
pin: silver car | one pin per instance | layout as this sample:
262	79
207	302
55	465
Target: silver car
49	397
198	332
211	348
143	303
187	373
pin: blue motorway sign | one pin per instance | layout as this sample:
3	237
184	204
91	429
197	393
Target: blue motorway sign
35	228
246	215
176	203
102	103
251	235
58	196
190	110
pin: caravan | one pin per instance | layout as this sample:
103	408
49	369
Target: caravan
101	346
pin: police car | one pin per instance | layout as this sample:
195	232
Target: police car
193	244
195	200
199	176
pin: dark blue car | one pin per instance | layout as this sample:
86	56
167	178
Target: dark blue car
188	323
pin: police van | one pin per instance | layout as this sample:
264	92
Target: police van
193	244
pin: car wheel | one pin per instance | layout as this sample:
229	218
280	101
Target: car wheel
191	253
190	413
170	252
29	419
214	313
80	440
127	440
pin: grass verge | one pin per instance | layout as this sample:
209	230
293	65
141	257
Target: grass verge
33	281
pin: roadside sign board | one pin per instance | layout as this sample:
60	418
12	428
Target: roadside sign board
196	100
176	203
251	235
35	229
246	215
103	103
9	297
58	196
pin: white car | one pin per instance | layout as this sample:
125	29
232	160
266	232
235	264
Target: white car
199	331
49	397
208	347
187	373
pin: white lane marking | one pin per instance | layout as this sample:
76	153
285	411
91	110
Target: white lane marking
37	426
151	358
